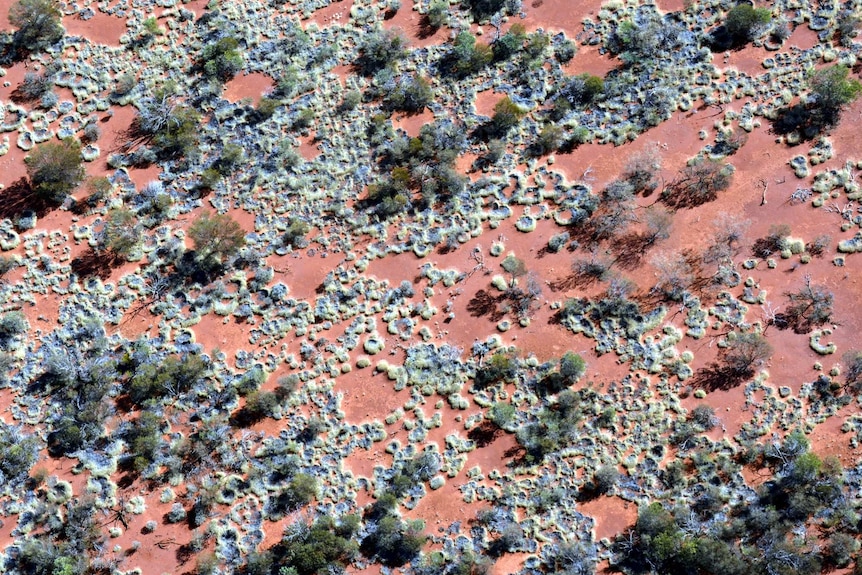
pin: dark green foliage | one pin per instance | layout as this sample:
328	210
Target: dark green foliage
392	541
507	115
548	141
509	43
411	94
38	22
309	549
808	307
499	368
605	479
221	59
179	136
266	107
831	91
304	119
299	491
294	236
744	22
18	453
564	51
12	325
7	264
438	14
55	169
555	426
572	368
172	377
483	9
466	563
232	156
501	414
210	177
144	438
258	405
379	49
466	56
351	100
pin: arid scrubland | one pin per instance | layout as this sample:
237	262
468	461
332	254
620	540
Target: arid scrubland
438	288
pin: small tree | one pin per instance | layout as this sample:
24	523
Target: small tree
810	306
572	367
55	169
122	232
378	50
216	237
605	478
514	266
38	22
745	352
831	90
294	236
744	22
507	114
221	59
853	370
699	182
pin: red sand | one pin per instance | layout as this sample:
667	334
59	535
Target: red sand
100	29
251	86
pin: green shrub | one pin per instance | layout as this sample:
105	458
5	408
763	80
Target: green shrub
55	169
216	237
221	59
294	236
38	22
172	377
18	453
744	22
122	232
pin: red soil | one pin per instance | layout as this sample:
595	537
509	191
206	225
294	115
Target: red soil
411	22
100	29
412	123
336	13
251	86
612	515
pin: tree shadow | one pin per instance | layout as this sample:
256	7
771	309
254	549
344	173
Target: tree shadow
484	434
577	279
631	248
719	377
20	197
485	304
99	263
425	29
806	120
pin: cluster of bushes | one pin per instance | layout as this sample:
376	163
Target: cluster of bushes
752	536
556	425
325	544
64	545
425	164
